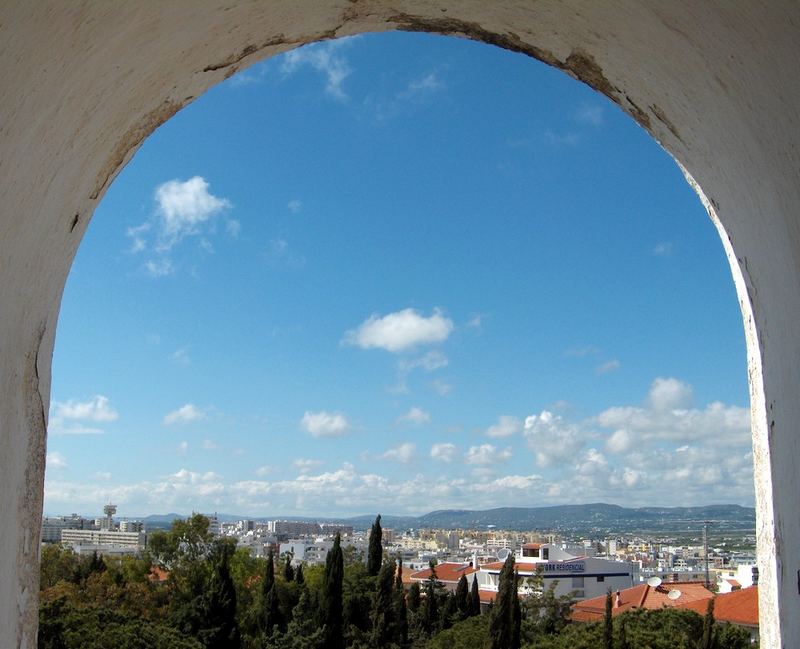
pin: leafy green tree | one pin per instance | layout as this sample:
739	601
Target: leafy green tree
462	597
472	633
330	608
504	625
375	552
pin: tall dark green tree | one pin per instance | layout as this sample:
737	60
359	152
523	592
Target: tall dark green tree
330	608
401	611
708	627
288	570
608	624
375	551
220	630
299	577
269	575
383	610
431	617
504	625
414	597
462	597
474	599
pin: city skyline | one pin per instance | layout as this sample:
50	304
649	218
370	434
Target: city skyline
398	272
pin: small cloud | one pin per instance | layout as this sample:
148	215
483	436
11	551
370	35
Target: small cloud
669	394
420	87
400	331
403	453
430	362
181	356
265	470
325	57
444	452
505	427
486	454
442	388
279	252
475	322
55	460
159	267
325	424
184	415
137	236
102	475
415	416
609	366
566	139
305	465
233	228
590	114
98	408
663	249
620	441
294	205
183	447
208	445
184	206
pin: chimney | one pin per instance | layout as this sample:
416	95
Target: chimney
617	601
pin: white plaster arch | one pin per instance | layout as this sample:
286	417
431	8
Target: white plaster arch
715	82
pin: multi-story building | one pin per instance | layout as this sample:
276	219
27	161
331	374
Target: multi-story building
104	541
52	526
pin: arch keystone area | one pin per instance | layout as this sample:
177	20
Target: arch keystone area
716	83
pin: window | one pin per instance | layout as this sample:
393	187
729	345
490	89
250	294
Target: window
530	552
577	582
601	579
546	554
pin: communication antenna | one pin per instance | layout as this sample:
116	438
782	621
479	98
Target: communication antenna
674	594
503	553
654	582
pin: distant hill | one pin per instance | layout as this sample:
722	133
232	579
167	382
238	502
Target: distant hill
594	516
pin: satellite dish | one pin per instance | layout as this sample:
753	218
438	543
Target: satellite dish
654	582
503	553
674	594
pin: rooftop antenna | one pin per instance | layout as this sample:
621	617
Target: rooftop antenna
654	582
674	594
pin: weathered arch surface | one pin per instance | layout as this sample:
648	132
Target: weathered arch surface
84	83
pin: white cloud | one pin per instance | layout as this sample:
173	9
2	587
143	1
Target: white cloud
294	205
669	394
305	465
183	447
325	57
265	470
181	356
421	87
663	249
159	267
444	452
442	388
183	207
184	415
506	426
233	228
400	331
609	366
620	441
208	445
562	139
430	361
55	460
580	352
552	438
402	453
97	409
325	424
102	475
486	454
590	114
415	416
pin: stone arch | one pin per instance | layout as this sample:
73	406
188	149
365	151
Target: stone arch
714	83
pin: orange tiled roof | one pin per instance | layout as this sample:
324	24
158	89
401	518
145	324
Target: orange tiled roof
158	574
445	572
487	595
642	596
737	607
531	546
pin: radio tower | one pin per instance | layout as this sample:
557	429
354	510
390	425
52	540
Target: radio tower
109	510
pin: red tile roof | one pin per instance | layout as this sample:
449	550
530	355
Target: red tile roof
737	607
158	574
641	596
445	572
531	546
487	595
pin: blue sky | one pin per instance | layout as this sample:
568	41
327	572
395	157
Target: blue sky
398	273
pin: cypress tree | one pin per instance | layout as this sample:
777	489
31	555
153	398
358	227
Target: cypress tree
288	571
623	634
401	612
298	575
608	624
269	575
375	551
504	626
331	598
414	597
708	627
431	620
474	599
383	610
272	616
462	597
220	630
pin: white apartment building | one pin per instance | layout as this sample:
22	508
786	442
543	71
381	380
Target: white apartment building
104	541
584	577
306	550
